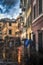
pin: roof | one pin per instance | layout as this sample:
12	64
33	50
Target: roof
7	20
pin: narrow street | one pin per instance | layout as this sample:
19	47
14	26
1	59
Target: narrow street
21	32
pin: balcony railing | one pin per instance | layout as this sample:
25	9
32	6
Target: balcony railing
24	9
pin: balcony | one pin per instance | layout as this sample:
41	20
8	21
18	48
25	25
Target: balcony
24	9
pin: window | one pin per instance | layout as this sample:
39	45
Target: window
9	24
40	41
0	32
29	2
34	42
0	26
21	19
40	6
25	3
29	35
10	31
34	12
26	35
29	21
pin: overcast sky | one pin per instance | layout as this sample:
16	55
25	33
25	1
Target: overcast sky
9	8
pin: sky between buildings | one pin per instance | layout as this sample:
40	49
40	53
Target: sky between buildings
9	8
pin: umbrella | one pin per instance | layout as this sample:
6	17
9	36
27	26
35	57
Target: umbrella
27	42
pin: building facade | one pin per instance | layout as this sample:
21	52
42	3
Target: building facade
9	33
8	28
26	14
2	30
37	23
